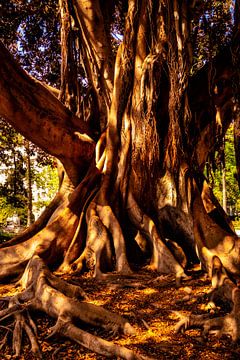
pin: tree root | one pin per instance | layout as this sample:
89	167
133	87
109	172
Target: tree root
37	226
43	291
223	288
97	242
163	259
24	322
212	240
104	233
53	241
228	325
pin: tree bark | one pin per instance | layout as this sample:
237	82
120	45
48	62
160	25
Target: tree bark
145	187
40	117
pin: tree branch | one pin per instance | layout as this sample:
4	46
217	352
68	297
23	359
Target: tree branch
38	115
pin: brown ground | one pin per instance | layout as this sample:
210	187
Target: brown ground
153	306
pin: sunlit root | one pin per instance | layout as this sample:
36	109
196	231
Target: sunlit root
88	188
228	325
54	240
163	259
97	243
45	292
111	223
103	235
212	240
50	213
50	242
223	288
24	322
37	226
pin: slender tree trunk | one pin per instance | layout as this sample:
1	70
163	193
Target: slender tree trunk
224	189
30	215
15	173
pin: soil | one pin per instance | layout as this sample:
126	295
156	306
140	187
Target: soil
153	305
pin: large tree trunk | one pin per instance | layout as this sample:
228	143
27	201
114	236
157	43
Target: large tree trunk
143	192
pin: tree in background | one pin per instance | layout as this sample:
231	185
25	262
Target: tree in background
18	158
132	126
232	190
12	190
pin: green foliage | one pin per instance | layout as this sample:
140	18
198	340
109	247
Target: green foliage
13	187
12	167
236	224
233	198
46	180
6	211
4	236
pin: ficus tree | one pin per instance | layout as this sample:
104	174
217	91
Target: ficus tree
132	125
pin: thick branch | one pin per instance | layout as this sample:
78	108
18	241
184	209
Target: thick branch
211	106
33	111
97	43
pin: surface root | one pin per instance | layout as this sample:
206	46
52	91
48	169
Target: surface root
43	291
223	288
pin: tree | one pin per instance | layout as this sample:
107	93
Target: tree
20	163
12	189
132	133
226	167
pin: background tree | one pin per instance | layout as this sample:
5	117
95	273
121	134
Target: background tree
132	133
12	189
232	190
18	158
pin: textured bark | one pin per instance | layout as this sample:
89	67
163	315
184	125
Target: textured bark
40	117
42	291
155	127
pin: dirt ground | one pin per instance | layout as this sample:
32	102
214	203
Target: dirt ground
153	305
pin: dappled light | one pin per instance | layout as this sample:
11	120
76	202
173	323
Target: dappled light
134	258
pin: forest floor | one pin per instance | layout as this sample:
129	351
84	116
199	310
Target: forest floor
153	305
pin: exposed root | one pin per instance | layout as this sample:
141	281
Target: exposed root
25	323
88	188
110	221
97	241
104	233
212	240
162	258
93	342
229	324
45	292
69	264
50	242
53	241
37	226
50	213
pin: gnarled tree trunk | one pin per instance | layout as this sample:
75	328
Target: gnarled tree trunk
132	164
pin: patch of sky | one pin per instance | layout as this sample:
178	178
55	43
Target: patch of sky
117	36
